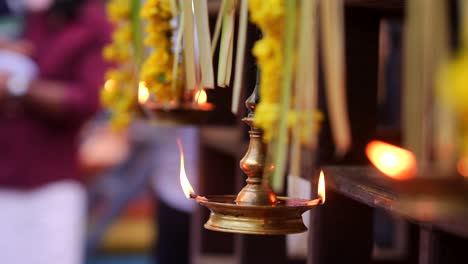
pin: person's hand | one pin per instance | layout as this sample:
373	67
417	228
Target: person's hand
102	148
23	47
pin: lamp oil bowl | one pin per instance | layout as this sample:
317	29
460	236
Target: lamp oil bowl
191	109
256	209
184	114
284	217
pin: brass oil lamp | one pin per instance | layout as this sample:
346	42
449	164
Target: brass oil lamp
192	109
256	209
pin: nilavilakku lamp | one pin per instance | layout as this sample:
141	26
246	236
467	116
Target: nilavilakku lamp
256	209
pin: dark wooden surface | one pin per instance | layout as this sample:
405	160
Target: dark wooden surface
217	176
332	224
367	185
378	4
254	249
362	183
336	236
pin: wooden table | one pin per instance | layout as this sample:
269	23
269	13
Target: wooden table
342	228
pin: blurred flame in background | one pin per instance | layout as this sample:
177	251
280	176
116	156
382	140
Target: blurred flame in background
143	93
201	97
393	161
109	85
462	166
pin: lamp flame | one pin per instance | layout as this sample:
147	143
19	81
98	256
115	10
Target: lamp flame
201	97
109	85
184	182
393	161
321	187
462	166
143	93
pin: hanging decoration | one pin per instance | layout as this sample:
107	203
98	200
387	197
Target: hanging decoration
157	71
452	93
163	60
287	57
170	73
304	136
118	94
333	37
240	51
179	66
288	81
225	24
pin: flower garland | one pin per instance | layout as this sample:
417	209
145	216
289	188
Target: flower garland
452	87
118	94
269	17
156	71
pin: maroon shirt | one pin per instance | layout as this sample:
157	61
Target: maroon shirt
36	149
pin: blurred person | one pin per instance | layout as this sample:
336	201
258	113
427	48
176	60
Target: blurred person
42	199
155	158
10	19
14	53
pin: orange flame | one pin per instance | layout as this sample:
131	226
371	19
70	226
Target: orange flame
393	161
321	187
143	93
201	97
184	182
109	85
462	166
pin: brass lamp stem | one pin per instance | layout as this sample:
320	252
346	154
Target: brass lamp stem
257	191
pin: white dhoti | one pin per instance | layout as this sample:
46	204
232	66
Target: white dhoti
43	226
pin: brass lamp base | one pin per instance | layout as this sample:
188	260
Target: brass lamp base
285	217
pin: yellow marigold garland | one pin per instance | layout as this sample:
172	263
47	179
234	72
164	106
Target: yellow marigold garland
118	93
269	16
453	89
156	71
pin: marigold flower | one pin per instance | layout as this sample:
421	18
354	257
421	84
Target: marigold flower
120	98
452	87
156	71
